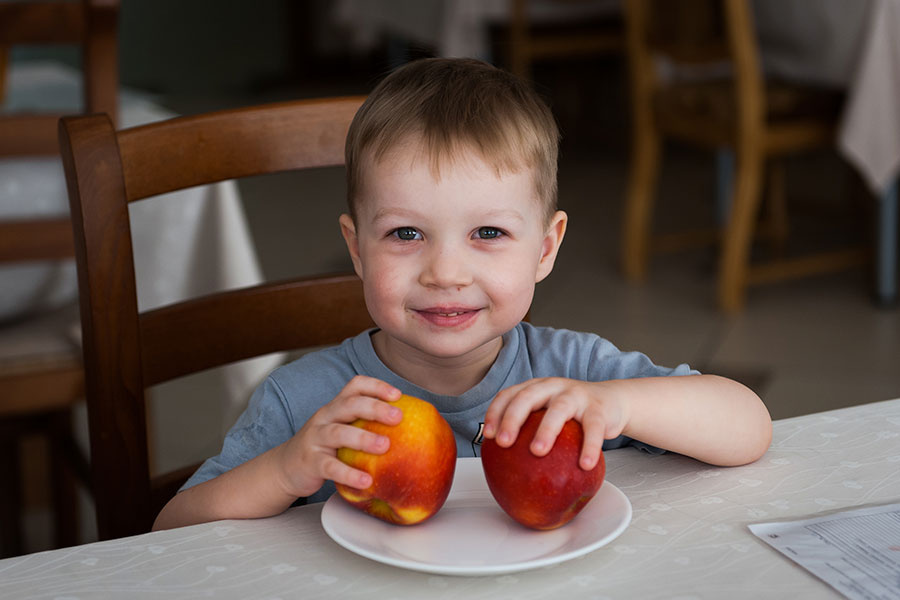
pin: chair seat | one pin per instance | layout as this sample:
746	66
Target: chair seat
45	339
40	363
714	101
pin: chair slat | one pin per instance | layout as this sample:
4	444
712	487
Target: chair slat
41	391
29	135
203	332
41	23
36	239
231	144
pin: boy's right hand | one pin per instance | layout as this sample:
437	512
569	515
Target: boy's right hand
310	456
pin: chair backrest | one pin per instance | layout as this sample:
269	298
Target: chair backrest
595	36
91	25
696	32
124	351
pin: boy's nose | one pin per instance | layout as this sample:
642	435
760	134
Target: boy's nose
445	267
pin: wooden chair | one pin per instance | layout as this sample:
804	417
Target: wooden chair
40	386
528	44
740	113
124	351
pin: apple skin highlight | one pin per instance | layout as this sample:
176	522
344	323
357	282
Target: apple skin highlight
541	492
411	481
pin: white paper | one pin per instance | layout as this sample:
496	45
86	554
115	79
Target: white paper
856	552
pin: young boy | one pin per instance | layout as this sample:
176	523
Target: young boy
452	194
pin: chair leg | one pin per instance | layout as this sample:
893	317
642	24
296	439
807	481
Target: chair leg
887	246
63	482
739	232
639	206
776	207
519	59
11	537
724	184
4	71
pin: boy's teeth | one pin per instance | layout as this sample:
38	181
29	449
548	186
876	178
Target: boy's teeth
453	314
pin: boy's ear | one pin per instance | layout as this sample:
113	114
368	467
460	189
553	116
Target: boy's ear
348	230
552	240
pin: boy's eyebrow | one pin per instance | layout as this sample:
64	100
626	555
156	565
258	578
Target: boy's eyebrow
385	213
505	214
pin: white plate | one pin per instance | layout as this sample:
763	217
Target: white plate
471	535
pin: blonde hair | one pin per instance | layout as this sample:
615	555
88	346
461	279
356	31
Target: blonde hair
451	106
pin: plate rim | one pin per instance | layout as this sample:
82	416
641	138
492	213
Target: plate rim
468	570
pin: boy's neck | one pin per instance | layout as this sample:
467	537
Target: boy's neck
443	376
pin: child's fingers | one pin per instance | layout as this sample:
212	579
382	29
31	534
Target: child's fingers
343	473
497	407
350	408
558	413
362	385
364	398
594	433
324	442
525	401
338	435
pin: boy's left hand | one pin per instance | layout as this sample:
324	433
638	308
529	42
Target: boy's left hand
600	409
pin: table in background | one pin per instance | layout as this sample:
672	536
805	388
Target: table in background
688	536
186	244
453	27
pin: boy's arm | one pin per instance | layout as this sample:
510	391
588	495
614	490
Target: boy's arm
707	417
710	418
248	491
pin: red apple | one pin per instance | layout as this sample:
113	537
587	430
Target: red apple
541	492
411	481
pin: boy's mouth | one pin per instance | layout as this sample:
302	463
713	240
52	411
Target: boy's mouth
448	316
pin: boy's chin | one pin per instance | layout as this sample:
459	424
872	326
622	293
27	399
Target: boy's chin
453	349
445	347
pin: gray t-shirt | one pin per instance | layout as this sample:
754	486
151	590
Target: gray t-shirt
291	394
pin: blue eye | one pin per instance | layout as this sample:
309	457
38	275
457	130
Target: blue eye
407	233
489	233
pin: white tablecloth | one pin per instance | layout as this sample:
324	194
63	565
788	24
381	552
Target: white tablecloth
186	243
688	537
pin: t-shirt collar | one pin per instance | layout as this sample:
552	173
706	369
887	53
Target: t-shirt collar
366	362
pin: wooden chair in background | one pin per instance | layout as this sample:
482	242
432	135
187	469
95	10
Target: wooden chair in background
739	114
41	378
528	44
126	352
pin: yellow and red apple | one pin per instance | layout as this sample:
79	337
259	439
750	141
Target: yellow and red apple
411	481
541	492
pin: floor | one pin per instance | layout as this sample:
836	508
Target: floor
804	346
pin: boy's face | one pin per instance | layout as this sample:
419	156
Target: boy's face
449	265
